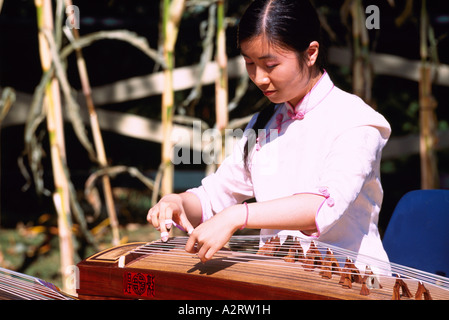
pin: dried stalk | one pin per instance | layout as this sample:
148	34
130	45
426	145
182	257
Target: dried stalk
37	114
98	139
57	144
114	171
172	13
221	84
206	56
240	91
362	71
122	35
406	13
8	98
6	101
91	192
427	117
71	104
73	109
33	146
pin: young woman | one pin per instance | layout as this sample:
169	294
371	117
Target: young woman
313	170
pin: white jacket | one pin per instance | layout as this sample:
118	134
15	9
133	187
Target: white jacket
333	147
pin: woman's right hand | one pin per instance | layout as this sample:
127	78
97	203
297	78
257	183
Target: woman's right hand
168	210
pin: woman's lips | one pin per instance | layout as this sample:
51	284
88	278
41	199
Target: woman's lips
268	92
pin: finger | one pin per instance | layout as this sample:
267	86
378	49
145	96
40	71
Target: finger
209	254
168	223
154	217
168	216
185	223
205	253
190	246
165	213
152	213
164	236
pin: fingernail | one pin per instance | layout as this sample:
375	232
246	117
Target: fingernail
164	236
190	231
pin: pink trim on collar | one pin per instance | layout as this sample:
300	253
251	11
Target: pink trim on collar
293	108
299	114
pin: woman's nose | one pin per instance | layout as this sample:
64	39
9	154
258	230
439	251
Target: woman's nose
261	77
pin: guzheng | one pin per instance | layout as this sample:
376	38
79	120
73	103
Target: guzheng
19	286
285	269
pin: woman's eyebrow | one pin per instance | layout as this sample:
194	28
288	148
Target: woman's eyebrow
264	57
267	56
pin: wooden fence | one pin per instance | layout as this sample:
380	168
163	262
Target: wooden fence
186	77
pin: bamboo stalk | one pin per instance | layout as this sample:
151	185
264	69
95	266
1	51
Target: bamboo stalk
206	56
427	116
362	72
98	139
55	129
221	84
171	15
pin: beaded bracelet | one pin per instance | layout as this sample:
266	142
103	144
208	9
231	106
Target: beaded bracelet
247	214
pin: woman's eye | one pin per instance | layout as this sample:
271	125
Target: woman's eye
272	66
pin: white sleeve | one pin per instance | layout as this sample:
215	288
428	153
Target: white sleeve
229	185
351	165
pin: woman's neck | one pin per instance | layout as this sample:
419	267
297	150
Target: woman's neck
315	76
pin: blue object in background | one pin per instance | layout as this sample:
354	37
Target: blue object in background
417	235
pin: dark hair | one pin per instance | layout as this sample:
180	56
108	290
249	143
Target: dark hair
287	24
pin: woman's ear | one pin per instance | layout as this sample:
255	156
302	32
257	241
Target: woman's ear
312	53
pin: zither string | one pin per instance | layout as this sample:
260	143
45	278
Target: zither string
15	285
250	245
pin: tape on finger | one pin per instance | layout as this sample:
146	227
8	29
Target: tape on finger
168	223
164	236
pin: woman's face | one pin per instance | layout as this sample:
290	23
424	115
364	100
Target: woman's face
276	71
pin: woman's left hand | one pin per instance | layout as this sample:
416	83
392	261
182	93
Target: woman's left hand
213	234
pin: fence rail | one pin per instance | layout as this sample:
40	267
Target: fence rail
186	77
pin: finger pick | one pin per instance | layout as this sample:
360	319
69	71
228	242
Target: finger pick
164	236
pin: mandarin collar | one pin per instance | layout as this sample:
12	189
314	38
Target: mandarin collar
313	98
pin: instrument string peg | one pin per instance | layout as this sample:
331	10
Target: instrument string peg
422	292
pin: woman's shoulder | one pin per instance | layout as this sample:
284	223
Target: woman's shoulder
350	110
347	100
